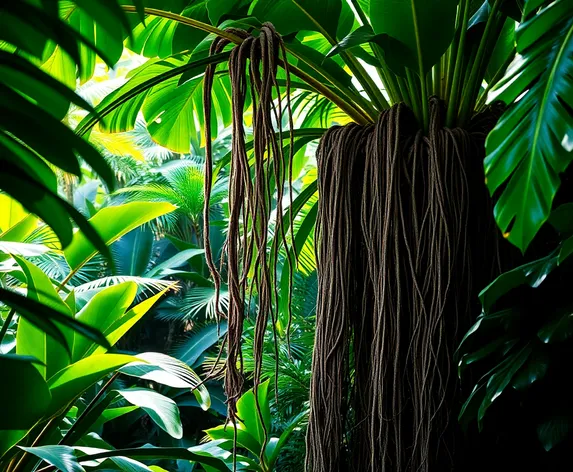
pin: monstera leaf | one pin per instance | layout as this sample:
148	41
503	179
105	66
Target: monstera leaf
533	140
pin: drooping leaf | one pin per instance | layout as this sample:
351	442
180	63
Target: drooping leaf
554	430
69	383
530	145
533	370
198	342
169	371
61	457
502	377
162	410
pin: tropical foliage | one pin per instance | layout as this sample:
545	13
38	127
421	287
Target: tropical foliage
102	226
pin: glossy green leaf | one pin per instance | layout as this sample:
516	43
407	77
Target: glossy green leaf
45	317
274	448
176	261
32	341
502	377
101	312
249	413
220	8
169	371
552	431
61	457
559	329
289	16
124	464
121	326
51	94
24	395
533	370
162	410
532	274
483	352
120	108
197	454
190	350
69	383
132	252
528	148
504	50
111	223
425	28
244	438
162	37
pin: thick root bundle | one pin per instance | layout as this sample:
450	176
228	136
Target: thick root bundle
394	275
253	184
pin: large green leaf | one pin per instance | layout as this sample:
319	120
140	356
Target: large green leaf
162	37
101	312
503	376
61	457
425	28
120	108
170	112
289	16
111	223
24	395
48	92
202	453
162	410
132	252
533	140
244	438
169	371
121	326
33	341
190	350
68	384
248	412
45	318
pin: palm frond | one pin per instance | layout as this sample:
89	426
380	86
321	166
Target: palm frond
197	301
145	284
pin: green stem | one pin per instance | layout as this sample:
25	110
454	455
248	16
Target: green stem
475	79
424	98
389	79
6	324
353	64
348	108
414	94
403	87
500	72
89	408
455	84
421	73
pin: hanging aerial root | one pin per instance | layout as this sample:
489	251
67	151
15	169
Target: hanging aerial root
393	265
254	183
